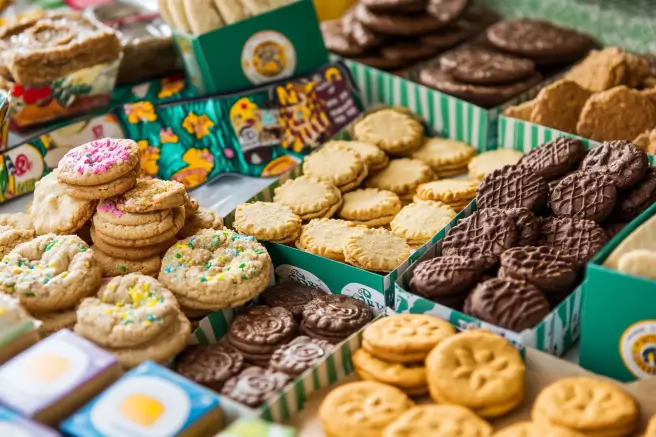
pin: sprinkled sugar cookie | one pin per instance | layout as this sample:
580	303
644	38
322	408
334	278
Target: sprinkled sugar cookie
102	191
135	318
201	219
267	222
152	195
216	269
112	266
108	212
50	272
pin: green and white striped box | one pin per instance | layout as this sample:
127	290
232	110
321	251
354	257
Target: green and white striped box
524	136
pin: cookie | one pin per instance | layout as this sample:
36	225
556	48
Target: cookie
334	317
291	296
363	408
601	70
483	237
337	165
98	162
587	195
638	263
543	42
392	131
395	5
532	429
479	66
363	37
133	232
559	105
208	284
438	420
397	24
375	249
254	385
259	331
402	176
447	11
129	253
196	221
210	366
309	197
528	227
202	16
107	212
448	190
55	321
102	191
446	279
15	229
150	195
637	199
448	36
53	211
445	154
522	111
651	428
337	40
647	141
373	157
612	229
117	267
232	11
482	165
299	355
325	237
405	338
576	238
267	222
376	60
555	158
553	406
137	239
409	378
476	369
513	187
407	51
417	223
625	162
610	105
178	15
370	207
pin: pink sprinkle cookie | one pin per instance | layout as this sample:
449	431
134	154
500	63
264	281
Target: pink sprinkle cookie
99	162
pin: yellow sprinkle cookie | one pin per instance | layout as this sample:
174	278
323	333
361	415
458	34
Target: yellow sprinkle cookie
325	237
438	421
448	190
442	153
370	204
336	164
267	221
375	249
373	157
391	131
530	429
401	176
411	378
362	409
419	222
485	163
308	197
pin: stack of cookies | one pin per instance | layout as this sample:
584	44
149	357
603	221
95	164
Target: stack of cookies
456	193
447	158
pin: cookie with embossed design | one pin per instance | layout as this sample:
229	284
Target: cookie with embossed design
299	355
576	238
333	317
513	187
589	195
290	295
476	65
555	158
626	162
210	366
254	385
446	279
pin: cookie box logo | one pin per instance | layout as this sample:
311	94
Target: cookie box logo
20	169
638	349
374	299
268	56
291	273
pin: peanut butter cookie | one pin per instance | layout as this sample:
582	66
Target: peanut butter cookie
267	222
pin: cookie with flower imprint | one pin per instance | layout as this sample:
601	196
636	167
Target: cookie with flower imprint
136	319
118	267
213	270
150	195
50	273
98	162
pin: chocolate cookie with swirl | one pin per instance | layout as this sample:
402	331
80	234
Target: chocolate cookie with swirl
290	295
254	385
299	355
333	317
210	366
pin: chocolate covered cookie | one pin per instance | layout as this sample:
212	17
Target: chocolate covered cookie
447	11
363	36
613	229
625	161
337	40
483	237
446	279
210	366
395	5
555	158
587	195
397	24
477	65
573	237
302	353
528	228
254	385
448	36
513	187
334	317
291	296
508	303
260	330
637	199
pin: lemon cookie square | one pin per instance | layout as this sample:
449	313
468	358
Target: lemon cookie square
149	400
55	377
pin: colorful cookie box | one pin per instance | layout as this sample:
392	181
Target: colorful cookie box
55	377
148	401
289	35
14	425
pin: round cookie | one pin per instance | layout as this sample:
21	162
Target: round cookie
210	366
133	232
445	277
53	211
55	321
479	66
587	195
196	221
637	199
394	132
334	317
573	237
267	221
485	163
143	240
202	16
375	249
15	229
338	41
309	197
338	165
395	5
102	191
129	253
434	420
376	60
325	237
448	190
532	429
98	162
626	162
409	378
555	158
291	296
443	153
405	338
254	385
150	195
448	36
117	267
528	227
299	355
397	24
370	207
513	187
417	223
109	213
402	176
407	51
364	37
373	157
559	105
447	11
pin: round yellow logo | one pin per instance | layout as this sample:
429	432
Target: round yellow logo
638	349
268	56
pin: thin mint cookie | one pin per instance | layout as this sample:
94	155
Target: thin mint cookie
254	385
528	227
513	187
364	37
337	40
412	50
626	162
555	158
397	24
448	36
480	66
447	11
301	354
588	195
210	366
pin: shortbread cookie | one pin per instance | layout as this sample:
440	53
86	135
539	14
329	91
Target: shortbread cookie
532	429
98	162
202	16
108	212
392	131
133	232
103	191
130	253
196	270
370	207
485	163
309	197
417	223
50	272
201	219
439	420
448	190
401	176
231	11
375	249
409	378
325	237
150	195
443	154
373	157
363	408
405	338
479	370
118	267
14	230
638	263
54	321
267	222
338	165
591	406
142	241
53	211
